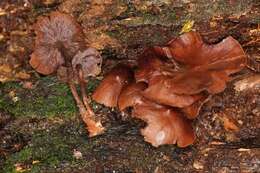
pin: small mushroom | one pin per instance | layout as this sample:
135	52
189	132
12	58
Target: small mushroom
57	37
60	48
109	89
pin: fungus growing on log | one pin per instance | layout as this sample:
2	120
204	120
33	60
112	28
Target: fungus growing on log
173	82
108	91
60	48
164	124
131	95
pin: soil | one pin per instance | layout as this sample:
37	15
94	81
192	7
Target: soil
40	128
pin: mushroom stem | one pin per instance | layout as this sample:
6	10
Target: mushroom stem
85	99
79	103
94	128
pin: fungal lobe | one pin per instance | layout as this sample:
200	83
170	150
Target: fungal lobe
109	89
131	95
172	83
207	67
164	125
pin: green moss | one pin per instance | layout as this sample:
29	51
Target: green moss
51	155
18	158
48	99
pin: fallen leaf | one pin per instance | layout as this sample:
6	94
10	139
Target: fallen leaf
187	26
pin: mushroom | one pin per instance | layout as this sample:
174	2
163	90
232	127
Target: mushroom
60	48
108	91
207	67
190	50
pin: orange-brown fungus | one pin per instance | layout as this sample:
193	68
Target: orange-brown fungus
108	91
164	125
206	67
131	95
173	83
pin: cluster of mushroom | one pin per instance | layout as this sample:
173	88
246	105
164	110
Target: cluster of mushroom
60	48
170	85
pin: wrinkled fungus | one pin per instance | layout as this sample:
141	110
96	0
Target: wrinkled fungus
60	48
173	82
131	95
164	125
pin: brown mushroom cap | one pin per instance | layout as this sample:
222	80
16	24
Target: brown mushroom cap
164	125
46	60
58	38
59	28
89	60
109	89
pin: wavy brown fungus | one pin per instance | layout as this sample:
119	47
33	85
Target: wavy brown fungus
109	89
172	83
60	48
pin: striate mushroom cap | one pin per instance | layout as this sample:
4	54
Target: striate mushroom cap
58	39
90	61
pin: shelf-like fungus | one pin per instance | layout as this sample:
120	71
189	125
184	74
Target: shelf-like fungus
108	91
173	82
60	48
